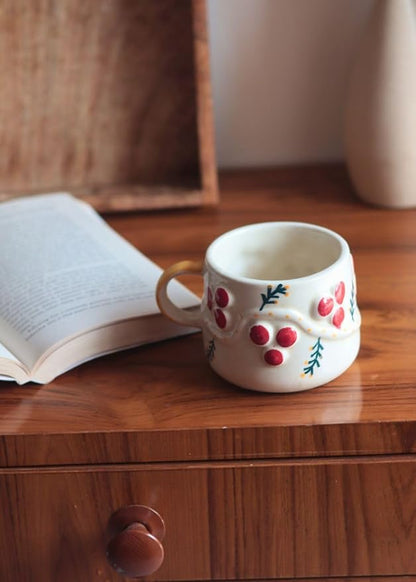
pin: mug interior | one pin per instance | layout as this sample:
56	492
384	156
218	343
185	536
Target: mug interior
275	250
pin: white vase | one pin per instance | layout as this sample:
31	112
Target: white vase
380	124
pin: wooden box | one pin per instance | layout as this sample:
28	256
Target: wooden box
109	100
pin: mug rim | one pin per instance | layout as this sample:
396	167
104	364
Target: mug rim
344	253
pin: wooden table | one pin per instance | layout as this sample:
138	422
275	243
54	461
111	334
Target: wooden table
251	486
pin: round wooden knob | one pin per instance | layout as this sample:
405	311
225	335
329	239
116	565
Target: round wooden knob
135	549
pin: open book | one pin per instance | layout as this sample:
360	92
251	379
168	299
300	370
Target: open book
72	289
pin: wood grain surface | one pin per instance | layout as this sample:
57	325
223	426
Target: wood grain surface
110	101
163	403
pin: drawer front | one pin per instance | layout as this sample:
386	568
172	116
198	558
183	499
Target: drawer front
223	521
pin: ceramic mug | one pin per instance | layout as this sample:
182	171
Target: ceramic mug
279	311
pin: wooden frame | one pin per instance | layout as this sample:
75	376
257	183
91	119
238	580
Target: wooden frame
110	101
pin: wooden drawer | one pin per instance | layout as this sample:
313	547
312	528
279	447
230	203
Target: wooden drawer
240	521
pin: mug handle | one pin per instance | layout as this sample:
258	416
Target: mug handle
166	306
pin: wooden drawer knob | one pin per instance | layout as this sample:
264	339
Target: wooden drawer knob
135	549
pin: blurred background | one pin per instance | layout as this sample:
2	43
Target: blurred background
280	70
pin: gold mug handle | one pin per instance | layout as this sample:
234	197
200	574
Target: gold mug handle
167	307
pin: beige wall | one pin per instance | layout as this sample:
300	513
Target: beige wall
279	71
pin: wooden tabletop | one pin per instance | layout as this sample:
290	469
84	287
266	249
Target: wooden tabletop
163	403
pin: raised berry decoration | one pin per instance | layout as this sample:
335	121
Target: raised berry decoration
325	306
221	297
209	298
286	337
338	317
259	335
340	292
273	357
220	318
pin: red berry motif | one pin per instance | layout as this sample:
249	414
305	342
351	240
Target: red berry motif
325	306
259	335
338	317
217	300
340	292
221	297
209	298
286	337
273	357
220	318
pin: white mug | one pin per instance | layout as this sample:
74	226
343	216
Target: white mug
279	311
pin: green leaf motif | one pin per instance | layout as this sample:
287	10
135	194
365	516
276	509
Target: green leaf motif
314	358
352	301
272	295
211	350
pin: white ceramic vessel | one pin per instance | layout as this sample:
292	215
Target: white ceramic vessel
279	312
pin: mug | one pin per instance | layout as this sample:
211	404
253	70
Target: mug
279	311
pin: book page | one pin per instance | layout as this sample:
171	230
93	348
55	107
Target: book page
4	353
64	270
9	357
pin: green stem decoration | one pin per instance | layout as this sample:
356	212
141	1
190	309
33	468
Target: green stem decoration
272	295
315	356
211	350
352	301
